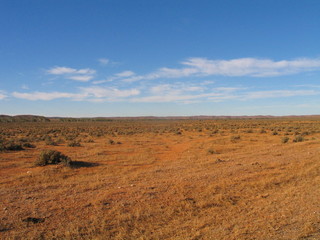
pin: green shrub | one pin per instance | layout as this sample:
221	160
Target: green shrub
52	157
285	139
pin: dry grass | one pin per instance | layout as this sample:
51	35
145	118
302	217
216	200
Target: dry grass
158	184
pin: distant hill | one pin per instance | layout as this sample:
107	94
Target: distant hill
201	117
23	118
33	118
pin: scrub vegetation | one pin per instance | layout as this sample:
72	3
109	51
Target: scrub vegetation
160	179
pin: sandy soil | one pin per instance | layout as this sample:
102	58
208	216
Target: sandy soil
165	180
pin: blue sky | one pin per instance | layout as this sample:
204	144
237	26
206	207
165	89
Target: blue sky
163	58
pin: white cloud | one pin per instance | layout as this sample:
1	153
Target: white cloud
80	78
228	89
46	96
109	93
172	97
24	86
93	94
175	73
2	95
125	74
103	61
279	94
251	67
61	70
121	75
177	88
185	93
82	75
67	70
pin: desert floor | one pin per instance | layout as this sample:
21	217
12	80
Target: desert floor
163	179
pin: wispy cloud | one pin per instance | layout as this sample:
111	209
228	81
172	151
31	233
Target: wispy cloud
279	94
24	86
82	75
250	67
103	61
120	75
84	78
125	74
163	93
84	94
180	89
2	95
67	70
109	92
186	93
177	88
45	96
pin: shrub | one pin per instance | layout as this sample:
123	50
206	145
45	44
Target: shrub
28	145
50	142
211	151
10	146
298	138
52	157
74	144
285	139
263	131
235	138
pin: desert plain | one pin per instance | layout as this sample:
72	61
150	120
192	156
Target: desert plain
162	179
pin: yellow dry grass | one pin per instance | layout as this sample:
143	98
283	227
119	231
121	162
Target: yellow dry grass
166	180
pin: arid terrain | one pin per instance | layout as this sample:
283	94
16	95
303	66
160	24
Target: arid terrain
162	179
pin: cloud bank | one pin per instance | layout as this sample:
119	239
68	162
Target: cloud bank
128	86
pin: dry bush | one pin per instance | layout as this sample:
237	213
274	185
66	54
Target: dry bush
52	157
74	143
298	138
10	146
285	139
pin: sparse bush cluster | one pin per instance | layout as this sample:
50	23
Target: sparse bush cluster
12	145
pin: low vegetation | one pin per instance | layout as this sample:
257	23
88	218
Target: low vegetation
169	179
52	157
